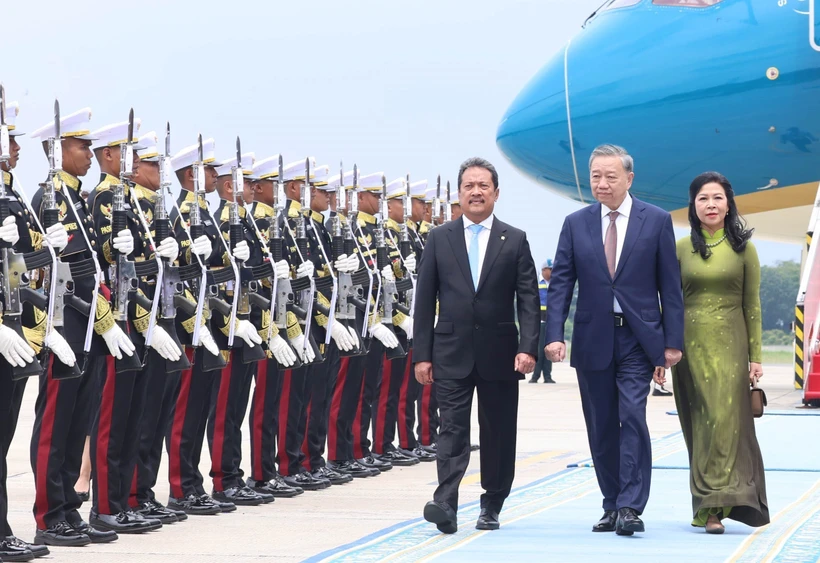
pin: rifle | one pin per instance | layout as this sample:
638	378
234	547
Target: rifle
373	279
389	294
436	211
448	207
405	248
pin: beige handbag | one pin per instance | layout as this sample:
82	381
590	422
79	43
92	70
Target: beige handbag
758	397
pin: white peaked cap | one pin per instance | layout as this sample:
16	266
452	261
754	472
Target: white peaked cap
296	170
371	182
115	134
397	188
149	151
320	178
12	111
418	190
334	182
77	125
267	168
187	156
248	158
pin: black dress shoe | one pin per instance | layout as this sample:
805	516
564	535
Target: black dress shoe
442	516
398	459
194	505
155	510
373	463
628	522
549	380
61	534
267	498
533	381
121	523
85	496
429	449
36	550
352	468
240	496
224	506
276	488
487	520
11	552
154	523
305	481
423	455
607	522
334	477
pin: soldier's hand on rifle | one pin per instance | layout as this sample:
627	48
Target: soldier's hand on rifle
410	263
407	326
57	237
162	342
202	246
282	270
305	352
207	340
247	332
118	342
57	344
347	264
281	351
305	270
124	242
387	274
241	251
342	337
168	248
384	335
8	232
16	350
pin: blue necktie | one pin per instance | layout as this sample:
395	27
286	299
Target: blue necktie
473	252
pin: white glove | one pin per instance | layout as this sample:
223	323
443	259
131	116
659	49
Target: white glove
118	342
162	342
57	236
8	232
305	270
354	333
282	270
387	274
205	339
168	248
124	242
16	350
298	344
410	263
281	351
407	326
242	251
57	344
341	336
347	264
247	332
202	246
384	335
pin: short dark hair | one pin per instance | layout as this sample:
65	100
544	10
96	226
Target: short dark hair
477	162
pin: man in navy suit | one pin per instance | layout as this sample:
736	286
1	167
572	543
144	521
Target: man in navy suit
628	326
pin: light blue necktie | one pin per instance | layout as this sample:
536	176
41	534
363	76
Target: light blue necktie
473	252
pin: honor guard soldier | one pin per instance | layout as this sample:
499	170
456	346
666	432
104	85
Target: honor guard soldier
115	430
455	206
62	411
323	377
195	168
161	380
232	389
264	414
429	198
20	233
397	369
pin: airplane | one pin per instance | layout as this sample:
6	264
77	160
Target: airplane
688	86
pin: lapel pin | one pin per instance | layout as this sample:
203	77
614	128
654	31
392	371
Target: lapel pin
503	237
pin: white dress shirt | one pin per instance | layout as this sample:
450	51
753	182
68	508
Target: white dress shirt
621	222
483	239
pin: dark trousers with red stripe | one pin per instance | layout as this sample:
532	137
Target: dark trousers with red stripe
386	403
264	420
344	409
162	389
229	403
372	374
115	434
429	421
408	397
188	424
319	396
60	427
293	419
11	397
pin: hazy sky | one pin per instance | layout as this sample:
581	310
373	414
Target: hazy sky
393	86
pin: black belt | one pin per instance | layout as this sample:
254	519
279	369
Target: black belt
620	320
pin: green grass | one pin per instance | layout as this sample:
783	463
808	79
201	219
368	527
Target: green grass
778	357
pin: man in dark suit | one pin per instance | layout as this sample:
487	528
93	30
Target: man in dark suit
628	325
477	268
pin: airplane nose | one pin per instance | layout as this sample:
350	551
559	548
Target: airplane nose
534	133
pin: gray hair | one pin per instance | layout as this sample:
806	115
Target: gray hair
613	150
479	163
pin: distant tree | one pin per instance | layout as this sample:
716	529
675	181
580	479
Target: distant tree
778	291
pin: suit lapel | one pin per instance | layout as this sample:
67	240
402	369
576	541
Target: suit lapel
456	236
494	246
633	231
597	236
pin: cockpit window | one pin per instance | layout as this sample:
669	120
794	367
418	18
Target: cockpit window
615	4
687	3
